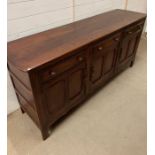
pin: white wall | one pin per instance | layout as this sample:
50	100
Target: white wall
134	5
137	5
27	17
87	8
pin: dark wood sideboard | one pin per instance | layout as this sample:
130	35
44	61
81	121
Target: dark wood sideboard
58	69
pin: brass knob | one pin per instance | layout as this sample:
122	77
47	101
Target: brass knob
130	32
139	28
116	39
80	58
100	48
52	73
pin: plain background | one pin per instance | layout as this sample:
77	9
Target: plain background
26	17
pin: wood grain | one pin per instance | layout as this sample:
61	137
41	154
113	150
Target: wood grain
33	51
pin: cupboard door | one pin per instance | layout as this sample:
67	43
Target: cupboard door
55	96
76	84
96	69
102	62
128	47
65	90
130	43
109	62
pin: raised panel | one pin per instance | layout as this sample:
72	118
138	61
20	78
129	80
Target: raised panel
75	84
55	97
96	69
123	51
109	59
131	46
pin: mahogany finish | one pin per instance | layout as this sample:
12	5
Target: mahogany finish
56	70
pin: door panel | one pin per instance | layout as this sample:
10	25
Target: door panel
109	58
55	96
123	51
129	44
102	62
97	69
76	84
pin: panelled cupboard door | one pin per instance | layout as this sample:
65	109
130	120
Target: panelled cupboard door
103	59
129	44
55	96
76	84
66	89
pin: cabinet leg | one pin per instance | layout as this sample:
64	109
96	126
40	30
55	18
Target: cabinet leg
45	134
132	63
22	110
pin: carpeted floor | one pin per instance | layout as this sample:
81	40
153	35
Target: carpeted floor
112	122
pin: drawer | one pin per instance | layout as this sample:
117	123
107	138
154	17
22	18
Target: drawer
134	29
62	66
106	43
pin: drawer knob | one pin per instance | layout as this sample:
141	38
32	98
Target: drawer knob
116	39
100	48
52	73
80	58
130	32
139	28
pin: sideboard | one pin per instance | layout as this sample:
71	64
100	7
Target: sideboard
54	71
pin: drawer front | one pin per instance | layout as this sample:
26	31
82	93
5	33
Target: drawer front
99	49
62	66
134	29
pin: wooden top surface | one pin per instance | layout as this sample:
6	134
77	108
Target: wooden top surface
30	52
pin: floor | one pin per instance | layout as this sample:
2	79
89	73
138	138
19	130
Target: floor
112	122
